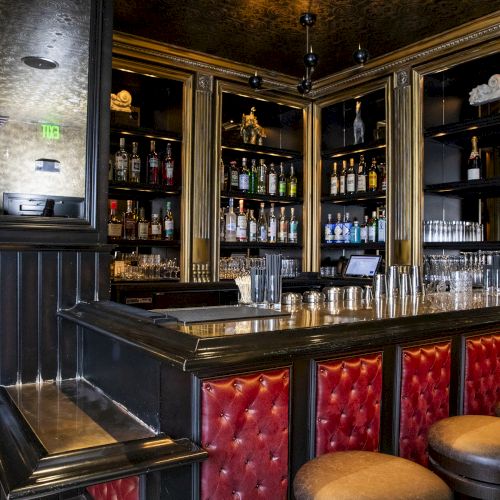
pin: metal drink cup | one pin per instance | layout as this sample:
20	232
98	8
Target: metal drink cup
392	281
379	286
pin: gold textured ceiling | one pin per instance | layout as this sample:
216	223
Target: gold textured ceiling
266	33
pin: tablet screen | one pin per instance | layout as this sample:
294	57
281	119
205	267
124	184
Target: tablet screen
362	266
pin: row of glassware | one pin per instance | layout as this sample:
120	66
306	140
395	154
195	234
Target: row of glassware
131	266
236	266
442	231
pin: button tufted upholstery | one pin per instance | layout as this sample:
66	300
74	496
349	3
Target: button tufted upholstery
121	489
348	404
367	475
425	386
244	429
482	375
465	451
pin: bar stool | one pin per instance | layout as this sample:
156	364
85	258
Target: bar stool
465	452
344	475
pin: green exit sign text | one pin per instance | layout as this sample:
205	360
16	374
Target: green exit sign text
50	131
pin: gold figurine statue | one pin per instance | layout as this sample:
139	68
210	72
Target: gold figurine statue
251	131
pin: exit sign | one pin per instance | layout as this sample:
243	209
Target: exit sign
50	131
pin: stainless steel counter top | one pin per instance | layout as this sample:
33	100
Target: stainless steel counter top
316	315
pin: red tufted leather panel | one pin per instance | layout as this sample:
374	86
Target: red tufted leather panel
348	404
425	388
244	428
121	489
482	375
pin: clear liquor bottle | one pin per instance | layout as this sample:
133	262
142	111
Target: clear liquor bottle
272	227
342	178
121	162
168	222
293	233
241	223
244	177
334	180
153	165
130	222
272	181
142	225
234	176
362	172
252	227
167	177
338	231
282	227
115	227
363	230
346	228
381	227
222	225
156	227
231	222
134	173
291	188
372	228
261	177
329	229
282	181
350	180
262	225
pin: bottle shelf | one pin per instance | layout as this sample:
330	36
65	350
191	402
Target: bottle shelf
289	154
127	189
158	135
360	246
354	149
481	188
460	132
355	198
255	244
279	200
464	245
145	243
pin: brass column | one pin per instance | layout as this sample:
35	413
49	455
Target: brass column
404	202
201	213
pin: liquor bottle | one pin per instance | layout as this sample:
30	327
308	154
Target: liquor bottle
329	229
134	173
231	222
121	162
234	176
222	176
272	181
241	223
291	185
355	232
130	222
272	227
252	179
338	231
142	225
252	227
243	178
363	231
282	181
373	176
282	227
153	166
372	228
261	177
156	227
342	178
168	222
293	232
381	227
262	225
114	223
222	225
382	177
350	178
474	164
167	177
334	180
346	229
361	187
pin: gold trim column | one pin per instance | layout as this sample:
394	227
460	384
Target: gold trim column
201	214
404	184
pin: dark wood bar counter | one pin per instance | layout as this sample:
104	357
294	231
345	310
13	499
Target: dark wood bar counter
318	378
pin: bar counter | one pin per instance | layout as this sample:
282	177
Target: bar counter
262	396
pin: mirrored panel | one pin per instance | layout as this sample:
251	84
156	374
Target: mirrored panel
44	80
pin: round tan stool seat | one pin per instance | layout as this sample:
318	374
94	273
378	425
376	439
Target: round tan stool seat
465	451
348	475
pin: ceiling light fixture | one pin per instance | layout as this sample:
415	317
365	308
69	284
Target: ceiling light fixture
361	55
39	62
308	20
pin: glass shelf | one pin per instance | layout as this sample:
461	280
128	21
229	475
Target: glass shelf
244	245
354	149
280	200
361	246
484	188
145	243
356	198
139	189
159	135
263	150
